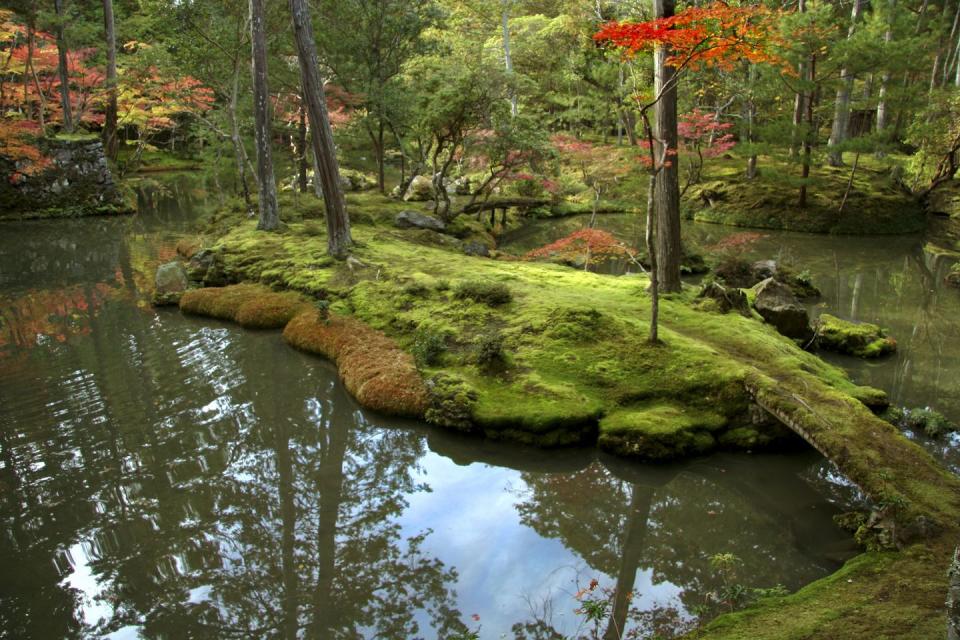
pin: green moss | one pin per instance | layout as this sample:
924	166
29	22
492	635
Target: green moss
874	595
876	205
863	340
659	431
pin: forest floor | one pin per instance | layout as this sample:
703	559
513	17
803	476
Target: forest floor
550	355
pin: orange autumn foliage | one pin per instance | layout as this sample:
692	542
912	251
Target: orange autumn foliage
717	35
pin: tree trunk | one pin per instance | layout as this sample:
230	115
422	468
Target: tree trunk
508	60
668	183
338	222
953	598
302	149
239	152
808	134
110	143
882	108
62	68
749	117
841	115
799	103
269	215
631	553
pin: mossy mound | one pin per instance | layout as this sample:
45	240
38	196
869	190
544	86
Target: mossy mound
659	431
379	374
250	306
863	340
876	203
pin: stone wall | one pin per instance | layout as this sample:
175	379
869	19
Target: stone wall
78	182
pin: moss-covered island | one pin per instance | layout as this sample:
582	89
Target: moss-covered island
549	355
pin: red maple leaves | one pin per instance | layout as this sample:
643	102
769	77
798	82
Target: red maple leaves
717	35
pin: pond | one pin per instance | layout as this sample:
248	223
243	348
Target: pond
168	476
885	280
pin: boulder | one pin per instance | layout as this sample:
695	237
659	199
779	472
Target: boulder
726	299
476	248
863	340
461	186
408	219
420	190
170	283
777	305
351	180
206	268
763	269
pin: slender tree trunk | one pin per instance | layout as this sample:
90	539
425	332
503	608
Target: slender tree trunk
376	138
652	257
62	68
882	107
110	142
317	180
28	64
338	222
749	116
953	598
302	148
239	152
508	60
841	115
799	102
808	134
668	183
269	214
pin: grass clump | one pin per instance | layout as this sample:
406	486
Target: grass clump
492	294
863	340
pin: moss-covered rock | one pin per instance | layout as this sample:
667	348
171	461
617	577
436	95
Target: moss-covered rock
863	340
953	278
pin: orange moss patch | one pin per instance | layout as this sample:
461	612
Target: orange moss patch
188	247
250	306
379	374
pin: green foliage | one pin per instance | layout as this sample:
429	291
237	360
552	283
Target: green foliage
488	351
428	347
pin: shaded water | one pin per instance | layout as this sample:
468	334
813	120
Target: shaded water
170	477
889	281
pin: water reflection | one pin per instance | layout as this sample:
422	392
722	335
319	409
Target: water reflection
162	476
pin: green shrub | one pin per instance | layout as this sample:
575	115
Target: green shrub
489	293
489	351
428	347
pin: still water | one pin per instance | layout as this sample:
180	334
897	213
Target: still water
171	477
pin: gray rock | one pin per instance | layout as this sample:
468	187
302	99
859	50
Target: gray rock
420	190
778	306
408	219
727	299
206	268
476	248
170	283
763	269
461	186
